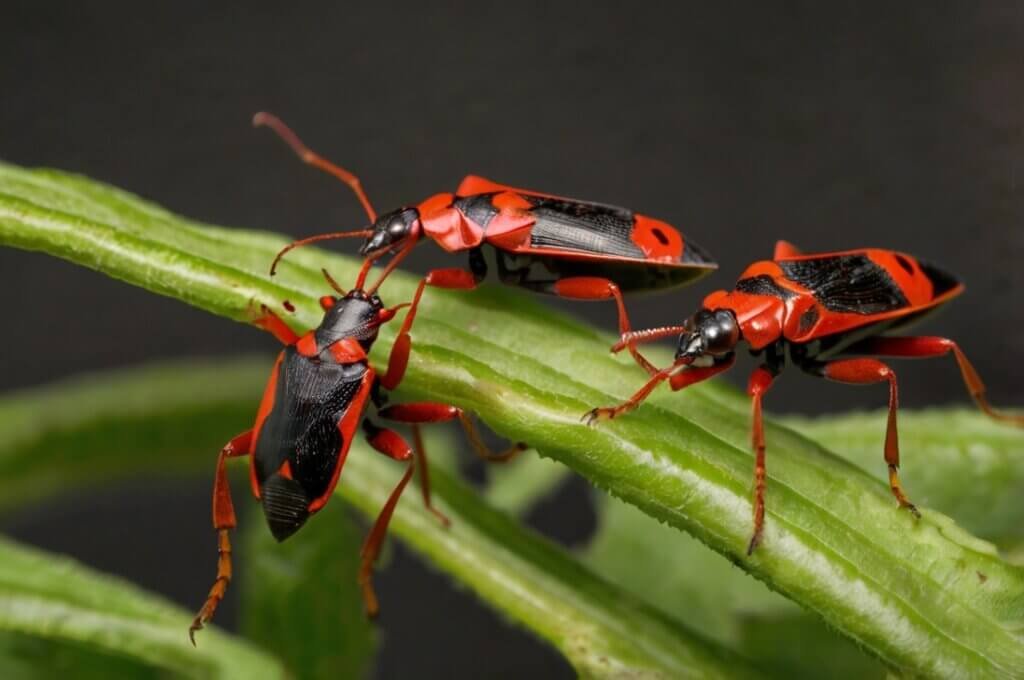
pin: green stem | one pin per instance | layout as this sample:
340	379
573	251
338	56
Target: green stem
603	631
53	598
906	590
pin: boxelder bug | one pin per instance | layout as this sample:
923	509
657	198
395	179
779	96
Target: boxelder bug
813	308
312	406
574	249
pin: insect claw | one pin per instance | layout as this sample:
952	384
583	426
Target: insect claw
440	516
755	540
596	415
197	624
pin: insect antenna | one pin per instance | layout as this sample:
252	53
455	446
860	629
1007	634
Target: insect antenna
390	267
647	335
364	233
316	160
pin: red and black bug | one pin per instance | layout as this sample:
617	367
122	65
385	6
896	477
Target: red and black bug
549	244
312	407
817	310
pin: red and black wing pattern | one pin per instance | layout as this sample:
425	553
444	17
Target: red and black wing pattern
302	430
583	227
869	282
853	290
851	283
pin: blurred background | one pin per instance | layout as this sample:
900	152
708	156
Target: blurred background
855	124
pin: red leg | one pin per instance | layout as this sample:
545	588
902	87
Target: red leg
308	156
391	444
594	288
371	546
926	347
432	412
678	379
420	452
479	446
760	381
223	522
458	279
394	446
868	372
272	323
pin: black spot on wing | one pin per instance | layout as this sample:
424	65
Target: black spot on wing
902	261
582	227
479	208
808	319
846	283
763	285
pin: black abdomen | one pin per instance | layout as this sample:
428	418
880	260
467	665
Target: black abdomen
302	428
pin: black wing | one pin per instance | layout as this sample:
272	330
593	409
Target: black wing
579	225
846	283
302	427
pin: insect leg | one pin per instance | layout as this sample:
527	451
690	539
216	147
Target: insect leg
223	521
596	288
927	347
273	324
760	382
454	278
863	371
391	444
679	376
432	412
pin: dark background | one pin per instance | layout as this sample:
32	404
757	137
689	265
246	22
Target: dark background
834	127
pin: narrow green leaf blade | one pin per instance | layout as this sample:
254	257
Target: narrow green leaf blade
955	459
55	599
600	629
300	599
907	590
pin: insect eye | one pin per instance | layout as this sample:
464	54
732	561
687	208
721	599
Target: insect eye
397	227
697	320
722	334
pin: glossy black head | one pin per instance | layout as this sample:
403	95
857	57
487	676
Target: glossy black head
357	315
392	230
709	334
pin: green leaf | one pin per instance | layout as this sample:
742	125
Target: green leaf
517	485
906	590
23	657
54	599
87	429
958	460
94	428
300	599
596	626
603	632
676	573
